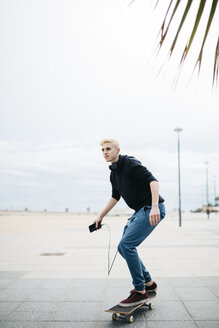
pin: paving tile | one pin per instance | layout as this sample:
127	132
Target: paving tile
72	325
210	281
39	306
47	294
51	274
195	294
207	324
170	324
30	316
12	274
86	294
21	324
78	311
127	283
185	282
119	323
6	308
113	296
167	294
95	283
14	294
5	283
169	311
57	283
215	290
24	283
203	310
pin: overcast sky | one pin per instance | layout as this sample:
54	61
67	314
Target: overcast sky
74	72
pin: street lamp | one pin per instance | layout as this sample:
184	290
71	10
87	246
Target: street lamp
207	194
215	201
178	130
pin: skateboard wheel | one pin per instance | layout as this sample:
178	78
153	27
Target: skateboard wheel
114	316
151	306
130	319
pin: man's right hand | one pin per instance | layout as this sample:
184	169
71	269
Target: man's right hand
97	221
112	202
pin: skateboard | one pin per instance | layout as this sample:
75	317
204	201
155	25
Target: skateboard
126	313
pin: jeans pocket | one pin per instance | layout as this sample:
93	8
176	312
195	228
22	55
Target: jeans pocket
162	211
125	227
162	215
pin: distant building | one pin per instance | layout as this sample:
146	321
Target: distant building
210	208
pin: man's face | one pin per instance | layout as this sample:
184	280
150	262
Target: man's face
110	152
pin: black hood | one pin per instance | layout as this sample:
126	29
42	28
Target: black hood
120	163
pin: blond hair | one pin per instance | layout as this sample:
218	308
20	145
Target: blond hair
110	140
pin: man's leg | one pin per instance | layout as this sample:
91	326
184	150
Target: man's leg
146	274
135	232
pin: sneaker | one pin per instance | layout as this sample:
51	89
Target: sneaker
134	299
151	288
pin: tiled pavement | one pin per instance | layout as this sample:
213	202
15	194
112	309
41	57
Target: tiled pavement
73	290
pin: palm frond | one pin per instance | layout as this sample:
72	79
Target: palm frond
163	34
211	16
197	21
181	24
193	33
164	30
130	3
216	64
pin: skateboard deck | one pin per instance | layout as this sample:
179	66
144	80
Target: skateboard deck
125	312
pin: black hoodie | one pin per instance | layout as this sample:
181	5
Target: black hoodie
131	180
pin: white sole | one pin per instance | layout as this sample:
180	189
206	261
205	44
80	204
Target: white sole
134	304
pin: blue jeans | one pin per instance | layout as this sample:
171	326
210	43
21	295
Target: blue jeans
137	229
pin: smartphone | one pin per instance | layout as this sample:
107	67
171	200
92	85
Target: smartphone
92	227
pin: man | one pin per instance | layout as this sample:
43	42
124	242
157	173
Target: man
140	190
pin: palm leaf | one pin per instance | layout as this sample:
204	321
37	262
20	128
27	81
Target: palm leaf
216	64
197	21
211	15
163	34
193	33
181	24
130	3
164	30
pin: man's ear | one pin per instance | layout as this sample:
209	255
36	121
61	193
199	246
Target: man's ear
118	150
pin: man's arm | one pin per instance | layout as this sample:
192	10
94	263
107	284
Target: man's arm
155	212
112	202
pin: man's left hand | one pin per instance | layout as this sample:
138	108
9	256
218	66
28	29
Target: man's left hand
154	217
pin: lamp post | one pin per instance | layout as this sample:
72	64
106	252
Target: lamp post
178	130
215	201
207	194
